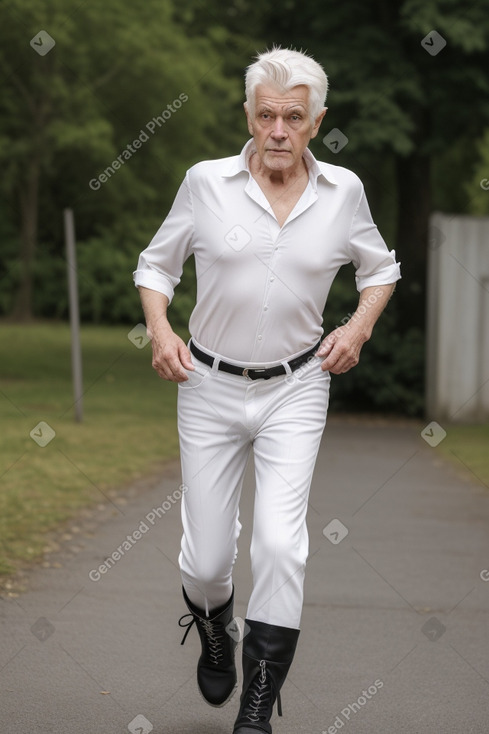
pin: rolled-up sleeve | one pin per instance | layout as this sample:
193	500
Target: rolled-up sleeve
160	265
374	263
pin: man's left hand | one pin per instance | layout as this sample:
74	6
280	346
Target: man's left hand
341	348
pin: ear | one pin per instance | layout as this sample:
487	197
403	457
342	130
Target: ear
318	122
248	117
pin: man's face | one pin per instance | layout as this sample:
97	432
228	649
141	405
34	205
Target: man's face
281	126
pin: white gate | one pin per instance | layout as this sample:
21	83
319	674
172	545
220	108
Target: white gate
457	379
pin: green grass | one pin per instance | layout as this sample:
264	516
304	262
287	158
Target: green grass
468	448
129	427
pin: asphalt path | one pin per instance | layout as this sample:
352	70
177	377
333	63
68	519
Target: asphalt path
395	628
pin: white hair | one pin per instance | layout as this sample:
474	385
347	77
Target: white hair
284	69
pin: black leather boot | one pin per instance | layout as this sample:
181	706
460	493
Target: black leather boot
216	670
268	651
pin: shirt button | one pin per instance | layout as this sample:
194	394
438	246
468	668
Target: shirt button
260	337
272	279
265	308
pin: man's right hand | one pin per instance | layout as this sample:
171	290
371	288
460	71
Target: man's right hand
171	356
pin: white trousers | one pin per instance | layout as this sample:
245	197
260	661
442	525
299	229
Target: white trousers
221	418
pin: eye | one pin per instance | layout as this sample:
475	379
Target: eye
295	118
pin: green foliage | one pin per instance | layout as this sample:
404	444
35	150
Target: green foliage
106	291
387	94
116	66
413	122
477	189
67	116
390	375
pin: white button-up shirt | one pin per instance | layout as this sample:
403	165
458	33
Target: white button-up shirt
262	288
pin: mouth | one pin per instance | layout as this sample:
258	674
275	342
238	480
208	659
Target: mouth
278	150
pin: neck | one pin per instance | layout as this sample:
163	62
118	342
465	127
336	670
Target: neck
283	177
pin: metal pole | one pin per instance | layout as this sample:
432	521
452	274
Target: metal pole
76	363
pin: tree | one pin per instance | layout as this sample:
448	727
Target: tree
118	73
477	189
404	103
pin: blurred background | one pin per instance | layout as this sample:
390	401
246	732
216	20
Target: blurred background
417	125
82	82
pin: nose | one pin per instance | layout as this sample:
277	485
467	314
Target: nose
279	132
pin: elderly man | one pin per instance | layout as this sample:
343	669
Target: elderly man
269	230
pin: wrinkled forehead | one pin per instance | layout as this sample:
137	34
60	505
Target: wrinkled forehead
279	99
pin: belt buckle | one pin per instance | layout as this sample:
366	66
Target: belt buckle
245	373
247	370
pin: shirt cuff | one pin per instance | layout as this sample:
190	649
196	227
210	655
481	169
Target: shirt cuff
384	276
154	281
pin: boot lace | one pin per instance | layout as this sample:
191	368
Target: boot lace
260	696
213	635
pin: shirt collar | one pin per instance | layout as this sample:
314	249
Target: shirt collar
315	168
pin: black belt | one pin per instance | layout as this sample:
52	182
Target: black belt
252	373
